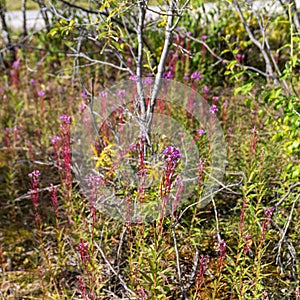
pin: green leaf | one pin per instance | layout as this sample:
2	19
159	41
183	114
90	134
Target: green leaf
53	32
101	35
148	277
244	89
116	45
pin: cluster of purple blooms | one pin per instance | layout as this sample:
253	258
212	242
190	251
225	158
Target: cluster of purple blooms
196	75
145	80
201	131
41	93
65	119
168	75
213	109
103	94
35	174
121	93
94	180
172	154
34	191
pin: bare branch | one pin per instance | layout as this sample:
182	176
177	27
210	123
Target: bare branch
178	263
139	60
162	62
194	269
204	199
28	194
269	69
113	270
287	194
6	34
227	61
100	61
265	44
285	229
179	16
24	17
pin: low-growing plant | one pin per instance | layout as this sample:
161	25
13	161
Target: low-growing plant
243	243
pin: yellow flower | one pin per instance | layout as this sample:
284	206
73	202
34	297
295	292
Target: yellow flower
106	157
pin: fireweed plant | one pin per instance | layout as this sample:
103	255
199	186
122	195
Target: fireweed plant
243	245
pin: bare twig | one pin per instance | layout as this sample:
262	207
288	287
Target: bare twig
24	17
139	60
203	199
5	32
194	269
179	15
112	294
113	270
287	194
269	69
96	61
121	243
184	296
216	219
265	44
284	231
28	194
43	10
162	62
293	6
225	60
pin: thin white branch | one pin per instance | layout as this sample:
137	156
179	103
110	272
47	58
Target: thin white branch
113	270
96	61
227	61
178	264
287	193
216	218
286	228
162	62
139	60
203	199
269	69
28	194
179	16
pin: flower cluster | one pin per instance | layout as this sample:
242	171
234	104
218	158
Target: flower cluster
200	131
35	175
103	94
84	95
215	99
196	76
213	109
240	57
65	119
54	200
172	157
84	253
133	77
172	154
16	64
222	248
168	75
62	149
266	223
41	93
121	93
147	80
94	180
34	192
205	89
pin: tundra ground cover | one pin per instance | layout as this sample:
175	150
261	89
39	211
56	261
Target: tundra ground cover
55	242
